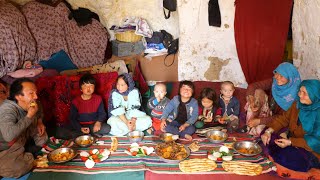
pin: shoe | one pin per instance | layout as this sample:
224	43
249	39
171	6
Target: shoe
243	129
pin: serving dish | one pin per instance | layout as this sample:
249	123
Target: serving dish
247	148
216	136
84	140
135	136
62	155
168	137
172	152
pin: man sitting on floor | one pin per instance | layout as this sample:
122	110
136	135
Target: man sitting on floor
19	122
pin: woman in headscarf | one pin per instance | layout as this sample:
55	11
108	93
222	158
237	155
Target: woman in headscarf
123	108
301	150
260	110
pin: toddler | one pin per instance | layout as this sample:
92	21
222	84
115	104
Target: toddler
157	103
230	107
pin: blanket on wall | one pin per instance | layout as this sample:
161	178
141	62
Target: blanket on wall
17	44
56	93
53	31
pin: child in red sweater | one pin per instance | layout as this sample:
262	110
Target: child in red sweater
87	113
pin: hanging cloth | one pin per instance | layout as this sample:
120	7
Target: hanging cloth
214	13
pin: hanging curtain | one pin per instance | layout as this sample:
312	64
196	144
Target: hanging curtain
261	29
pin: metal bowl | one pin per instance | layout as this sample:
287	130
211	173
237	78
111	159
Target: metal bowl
220	135
247	148
62	155
168	137
84	140
173	161
135	136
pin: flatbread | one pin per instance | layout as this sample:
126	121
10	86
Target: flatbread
242	168
41	162
194	147
197	165
114	144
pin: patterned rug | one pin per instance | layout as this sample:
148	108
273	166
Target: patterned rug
121	162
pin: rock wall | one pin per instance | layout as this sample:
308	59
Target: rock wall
306	38
208	52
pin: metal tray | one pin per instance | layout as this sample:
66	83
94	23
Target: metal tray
171	160
62	150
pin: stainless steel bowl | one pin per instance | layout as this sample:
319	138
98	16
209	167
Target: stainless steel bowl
84	140
62	155
135	136
247	148
216	136
168	137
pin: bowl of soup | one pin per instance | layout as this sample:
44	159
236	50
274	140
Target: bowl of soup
247	148
135	136
216	136
168	137
84	140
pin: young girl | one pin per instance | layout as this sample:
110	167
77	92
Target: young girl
123	108
207	108
181	112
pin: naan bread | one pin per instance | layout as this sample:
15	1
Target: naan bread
114	144
197	165
242	168
41	162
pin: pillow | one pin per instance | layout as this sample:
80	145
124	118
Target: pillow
59	61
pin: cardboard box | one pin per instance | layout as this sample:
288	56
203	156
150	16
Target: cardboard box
155	69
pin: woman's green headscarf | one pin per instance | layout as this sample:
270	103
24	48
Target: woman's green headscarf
309	115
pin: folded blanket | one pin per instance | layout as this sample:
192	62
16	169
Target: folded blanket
26	72
53	144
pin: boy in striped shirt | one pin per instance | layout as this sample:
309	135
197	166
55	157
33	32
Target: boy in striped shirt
157	103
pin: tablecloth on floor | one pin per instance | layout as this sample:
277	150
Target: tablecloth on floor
121	162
